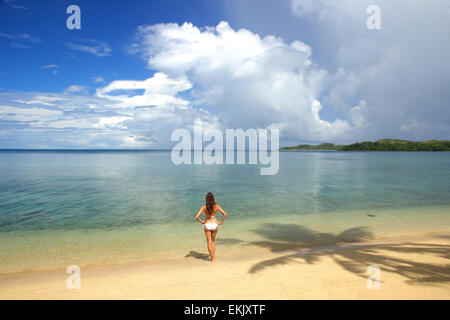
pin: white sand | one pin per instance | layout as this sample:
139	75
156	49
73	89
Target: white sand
415	267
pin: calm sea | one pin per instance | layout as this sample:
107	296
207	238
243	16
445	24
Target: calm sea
106	207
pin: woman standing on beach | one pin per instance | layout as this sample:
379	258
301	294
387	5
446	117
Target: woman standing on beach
211	225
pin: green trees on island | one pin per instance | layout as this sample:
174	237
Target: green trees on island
380	145
323	146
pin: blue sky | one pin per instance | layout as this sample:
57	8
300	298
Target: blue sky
137	71
102	20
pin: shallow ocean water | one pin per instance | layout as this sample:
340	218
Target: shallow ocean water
105	207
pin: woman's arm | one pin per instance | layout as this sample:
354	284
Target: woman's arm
198	215
224	214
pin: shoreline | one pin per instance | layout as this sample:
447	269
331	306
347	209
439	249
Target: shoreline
413	267
29	252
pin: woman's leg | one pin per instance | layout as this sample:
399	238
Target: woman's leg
210	245
213	236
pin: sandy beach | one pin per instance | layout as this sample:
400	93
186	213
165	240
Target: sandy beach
412	267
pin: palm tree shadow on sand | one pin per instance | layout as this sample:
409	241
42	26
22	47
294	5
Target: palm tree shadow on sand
347	249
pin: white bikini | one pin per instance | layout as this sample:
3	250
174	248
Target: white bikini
211	226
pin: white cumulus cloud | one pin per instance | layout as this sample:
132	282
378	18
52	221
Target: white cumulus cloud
157	90
246	80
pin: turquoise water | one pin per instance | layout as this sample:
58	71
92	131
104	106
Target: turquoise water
103	206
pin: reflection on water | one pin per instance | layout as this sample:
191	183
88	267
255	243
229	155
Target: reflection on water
71	190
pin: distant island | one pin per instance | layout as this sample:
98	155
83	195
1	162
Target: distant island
380	145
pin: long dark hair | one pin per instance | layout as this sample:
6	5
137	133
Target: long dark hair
210	203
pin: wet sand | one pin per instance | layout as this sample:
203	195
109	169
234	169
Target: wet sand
412	267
